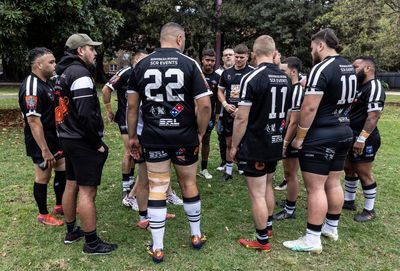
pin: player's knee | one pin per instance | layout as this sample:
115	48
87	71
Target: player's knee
158	185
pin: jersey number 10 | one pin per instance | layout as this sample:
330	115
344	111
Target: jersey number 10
349	88
170	88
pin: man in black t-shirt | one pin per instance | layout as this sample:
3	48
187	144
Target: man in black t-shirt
228	95
291	66
176	110
364	115
36	100
258	135
323	138
208	62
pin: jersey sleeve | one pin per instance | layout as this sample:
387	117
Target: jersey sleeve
222	83
317	82
246	91
297	98
132	82
32	104
199	84
376	99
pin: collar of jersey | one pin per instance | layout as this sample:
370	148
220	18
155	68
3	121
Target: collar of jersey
167	49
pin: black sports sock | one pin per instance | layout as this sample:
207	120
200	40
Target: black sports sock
262	236
91	238
204	164
125	182
59	185
40	194
70	226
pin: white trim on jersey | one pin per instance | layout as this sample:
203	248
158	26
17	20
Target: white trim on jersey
82	83
110	86
131	92
296	98
373	104
314	78
33	113
245	79
119	73
122	71
245	103
197	64
83	96
34	87
28	86
208	93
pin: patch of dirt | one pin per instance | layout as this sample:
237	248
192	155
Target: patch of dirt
10	118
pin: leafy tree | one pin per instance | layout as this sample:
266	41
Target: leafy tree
367	28
49	23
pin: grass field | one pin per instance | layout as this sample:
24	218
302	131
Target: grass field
28	245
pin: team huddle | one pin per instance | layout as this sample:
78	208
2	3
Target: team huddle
168	106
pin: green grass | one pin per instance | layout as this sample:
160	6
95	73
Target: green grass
28	245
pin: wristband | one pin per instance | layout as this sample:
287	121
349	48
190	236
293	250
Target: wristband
108	107
361	139
364	134
301	132
224	103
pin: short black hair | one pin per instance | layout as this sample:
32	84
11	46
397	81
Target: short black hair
328	36
208	52
37	52
241	49
368	59
293	62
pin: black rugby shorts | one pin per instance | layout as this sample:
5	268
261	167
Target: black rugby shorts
83	163
372	145
183	156
257	169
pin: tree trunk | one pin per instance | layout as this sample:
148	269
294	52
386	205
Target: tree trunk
100	76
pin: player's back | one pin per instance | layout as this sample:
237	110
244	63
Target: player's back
334	78
267	90
168	83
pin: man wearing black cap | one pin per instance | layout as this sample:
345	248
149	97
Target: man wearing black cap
80	129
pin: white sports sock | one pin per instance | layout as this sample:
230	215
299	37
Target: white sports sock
350	189
228	168
313	237
369	195
193	213
156	218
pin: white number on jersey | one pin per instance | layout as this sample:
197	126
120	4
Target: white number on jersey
170	87
272	115
348	89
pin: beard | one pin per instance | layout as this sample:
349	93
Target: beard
361	77
315	58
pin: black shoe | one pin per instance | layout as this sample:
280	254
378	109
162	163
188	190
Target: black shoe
72	237
365	216
102	248
349	205
226	177
284	215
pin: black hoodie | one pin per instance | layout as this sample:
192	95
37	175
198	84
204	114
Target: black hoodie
78	114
